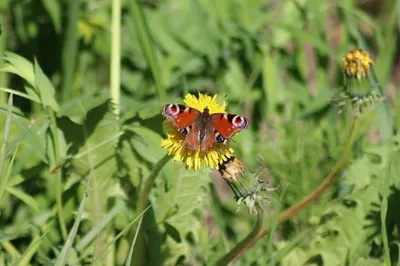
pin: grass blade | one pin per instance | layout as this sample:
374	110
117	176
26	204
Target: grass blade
122	233
70	48
30	251
115	66
129	259
384	208
91	235
21	94
147	46
7	128
62	258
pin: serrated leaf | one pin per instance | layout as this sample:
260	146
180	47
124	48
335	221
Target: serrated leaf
183	193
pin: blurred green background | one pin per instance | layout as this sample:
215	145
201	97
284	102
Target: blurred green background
73	169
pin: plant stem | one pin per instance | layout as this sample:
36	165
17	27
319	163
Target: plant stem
70	48
147	46
245	242
148	185
3	153
54	132
115	67
384	208
3	38
139	251
318	192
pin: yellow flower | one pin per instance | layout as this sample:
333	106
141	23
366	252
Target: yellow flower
214	156
356	63
231	169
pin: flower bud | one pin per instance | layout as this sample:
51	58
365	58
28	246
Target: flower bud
244	185
358	87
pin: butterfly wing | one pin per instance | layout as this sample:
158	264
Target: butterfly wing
180	115
228	124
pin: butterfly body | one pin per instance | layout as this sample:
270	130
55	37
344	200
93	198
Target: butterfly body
202	129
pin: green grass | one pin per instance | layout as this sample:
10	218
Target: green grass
84	179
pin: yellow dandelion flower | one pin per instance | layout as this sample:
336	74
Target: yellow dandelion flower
358	90
356	63
174	143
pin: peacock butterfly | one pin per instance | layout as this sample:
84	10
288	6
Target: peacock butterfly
202	128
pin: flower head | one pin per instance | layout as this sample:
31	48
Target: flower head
174	143
356	63
246	186
358	89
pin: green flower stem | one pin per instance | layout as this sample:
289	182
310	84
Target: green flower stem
329	179
139	251
54	132
225	260
148	185
70	49
115	66
318	192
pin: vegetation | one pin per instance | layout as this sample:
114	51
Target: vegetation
84	179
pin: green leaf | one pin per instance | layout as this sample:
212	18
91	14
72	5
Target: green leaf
185	193
27	199
35	98
95	231
54	10
62	258
20	66
149	145
77	108
3	153
46	89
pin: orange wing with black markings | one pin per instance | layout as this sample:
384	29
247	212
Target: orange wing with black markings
180	115
228	124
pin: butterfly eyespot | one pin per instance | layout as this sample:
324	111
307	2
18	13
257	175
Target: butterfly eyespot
239	122
219	138
171	109
184	131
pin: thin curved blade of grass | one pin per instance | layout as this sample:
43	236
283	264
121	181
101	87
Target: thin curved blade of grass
10	249
27	199
98	145
62	258
384	208
3	153
91	235
129	259
21	94
17	141
125	230
30	251
147	45
398	252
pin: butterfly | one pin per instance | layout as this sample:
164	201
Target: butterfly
203	129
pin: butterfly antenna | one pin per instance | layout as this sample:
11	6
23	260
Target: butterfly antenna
223	98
